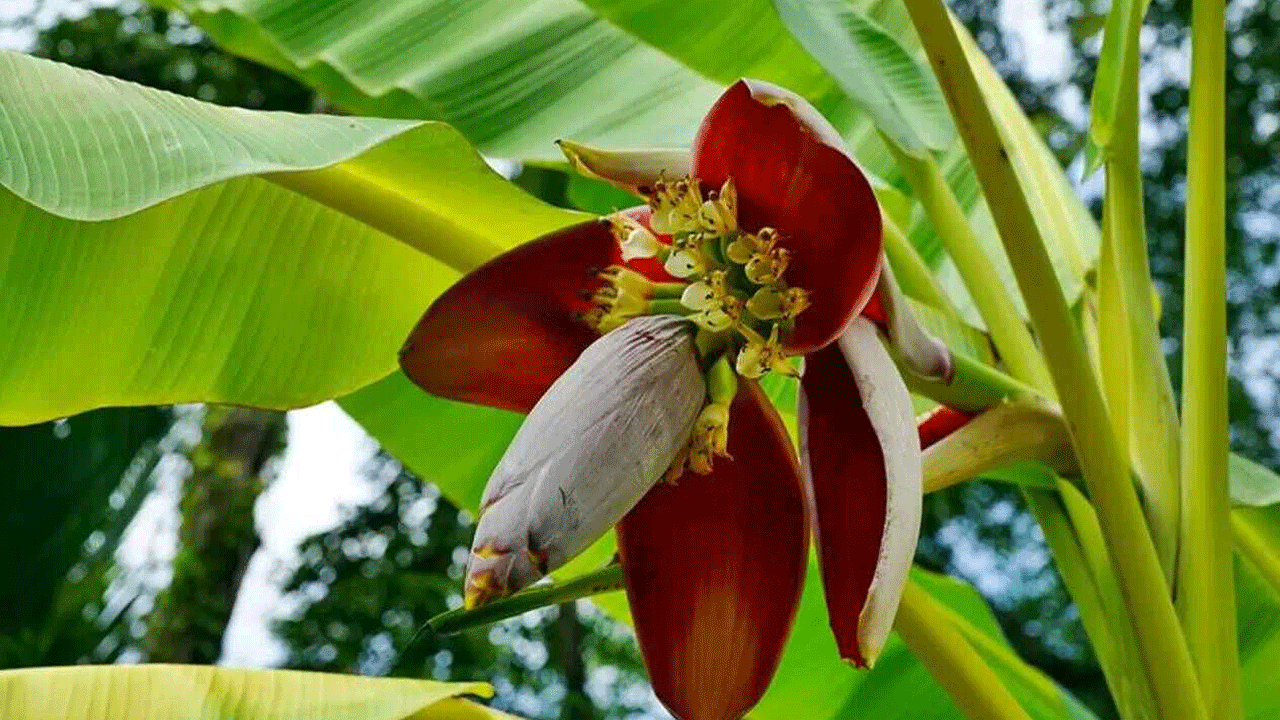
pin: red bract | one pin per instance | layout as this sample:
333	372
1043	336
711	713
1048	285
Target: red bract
793	173
776	234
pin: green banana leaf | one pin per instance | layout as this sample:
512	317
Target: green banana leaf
1252	484
511	77
1257	535
188	692
902	98
145	258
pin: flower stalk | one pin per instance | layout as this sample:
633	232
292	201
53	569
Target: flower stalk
1008	432
1206	597
974	385
917	279
606	579
1132	338
1164	649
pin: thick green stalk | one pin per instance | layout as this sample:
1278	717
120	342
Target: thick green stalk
1109	347
1076	574
1018	350
913	274
972	385
1112	340
1125	676
1149	402
945	652
1206	588
1013	340
1166	661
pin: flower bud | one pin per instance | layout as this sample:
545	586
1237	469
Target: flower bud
591	447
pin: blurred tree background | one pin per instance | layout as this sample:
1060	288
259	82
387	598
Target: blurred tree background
360	592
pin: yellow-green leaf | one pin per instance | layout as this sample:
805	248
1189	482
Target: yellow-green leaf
189	692
144	259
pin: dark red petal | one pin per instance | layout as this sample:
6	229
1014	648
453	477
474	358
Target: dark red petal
940	423
792	173
714	566
501	335
862	460
846	468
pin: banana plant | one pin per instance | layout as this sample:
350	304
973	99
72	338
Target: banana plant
864	229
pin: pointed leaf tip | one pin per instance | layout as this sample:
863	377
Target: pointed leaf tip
629	170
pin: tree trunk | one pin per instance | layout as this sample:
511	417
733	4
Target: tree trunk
218	535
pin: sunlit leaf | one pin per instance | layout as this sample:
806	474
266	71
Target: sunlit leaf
626	75
1257	536
225	287
512	78
189	692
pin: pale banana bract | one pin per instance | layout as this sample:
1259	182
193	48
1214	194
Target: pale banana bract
593	445
888	406
921	352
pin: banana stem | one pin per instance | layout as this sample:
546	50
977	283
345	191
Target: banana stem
1166	660
1010	334
1206	587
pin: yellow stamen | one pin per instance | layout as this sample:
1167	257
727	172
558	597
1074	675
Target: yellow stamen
716	308
770	303
719	215
761	356
635	240
687	262
675	206
767	267
627	281
710	438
